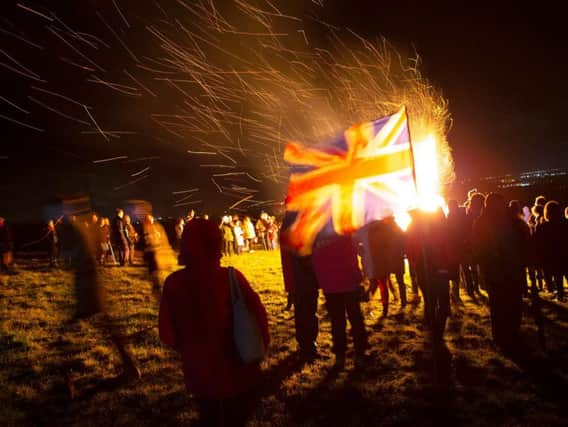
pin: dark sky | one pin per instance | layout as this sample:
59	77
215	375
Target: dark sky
502	68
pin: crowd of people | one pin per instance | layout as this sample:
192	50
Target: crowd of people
484	244
117	240
243	236
508	251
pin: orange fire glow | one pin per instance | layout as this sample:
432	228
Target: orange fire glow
428	195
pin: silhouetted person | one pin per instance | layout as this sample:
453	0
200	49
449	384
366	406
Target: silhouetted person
249	234
337	271
66	227
196	320
152	245
261	227
178	230
524	230
132	239
537	211
470	270
552	237
498	244
429	248
459	234
52	243
228	236
301	282
536	272
118	237
6	246
386	246
105	247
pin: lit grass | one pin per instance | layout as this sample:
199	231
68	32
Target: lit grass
39	344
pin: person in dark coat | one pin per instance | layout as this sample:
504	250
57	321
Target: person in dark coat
119	237
551	237
458	240
429	248
386	246
471	270
302	286
524	230
196	320
498	245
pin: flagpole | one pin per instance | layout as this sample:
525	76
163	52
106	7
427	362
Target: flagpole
411	149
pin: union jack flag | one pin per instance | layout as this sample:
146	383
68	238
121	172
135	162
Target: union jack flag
365	175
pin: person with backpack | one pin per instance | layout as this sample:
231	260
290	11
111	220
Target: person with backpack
196	319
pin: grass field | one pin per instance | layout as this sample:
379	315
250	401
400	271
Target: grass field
471	383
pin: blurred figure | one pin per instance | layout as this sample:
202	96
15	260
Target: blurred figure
190	215
178	230
498	245
152	243
337	271
52	244
119	238
537	216
228	236
132	238
249	234
195	319
94	222
239	235
90	301
261	229
272	233
537	210
526	214
6	246
551	237
64	227
106	252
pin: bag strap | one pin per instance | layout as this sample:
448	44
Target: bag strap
234	287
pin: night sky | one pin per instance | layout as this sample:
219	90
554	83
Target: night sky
502	68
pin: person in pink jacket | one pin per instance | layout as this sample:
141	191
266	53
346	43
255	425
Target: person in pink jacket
337	271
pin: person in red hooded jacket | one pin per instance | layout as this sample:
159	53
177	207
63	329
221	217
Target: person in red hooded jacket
196	320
